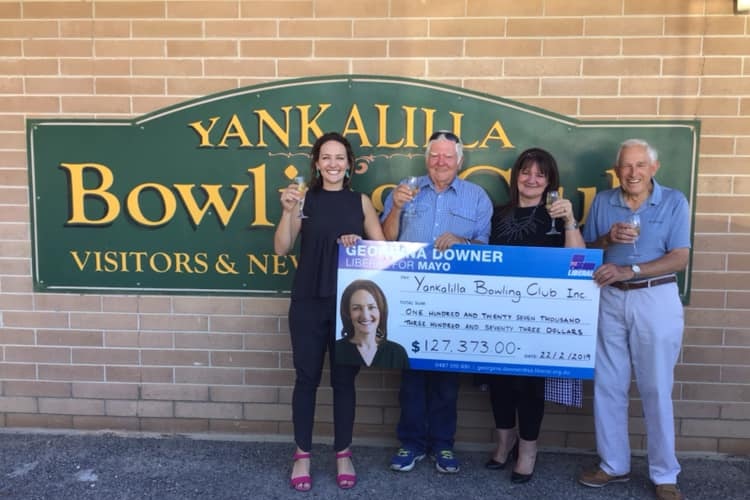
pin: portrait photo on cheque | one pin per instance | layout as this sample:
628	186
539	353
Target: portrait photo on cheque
364	334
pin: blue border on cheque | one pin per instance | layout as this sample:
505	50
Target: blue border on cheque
485	308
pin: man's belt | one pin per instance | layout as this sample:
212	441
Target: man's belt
637	285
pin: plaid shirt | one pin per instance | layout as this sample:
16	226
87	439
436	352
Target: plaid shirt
463	209
564	391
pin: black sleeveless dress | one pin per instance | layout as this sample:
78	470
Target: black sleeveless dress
330	214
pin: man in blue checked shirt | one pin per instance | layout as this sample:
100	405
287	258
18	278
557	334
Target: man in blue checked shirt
444	210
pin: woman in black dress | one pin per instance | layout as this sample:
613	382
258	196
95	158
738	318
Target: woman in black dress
333	213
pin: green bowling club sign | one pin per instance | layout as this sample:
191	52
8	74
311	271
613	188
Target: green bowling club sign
185	199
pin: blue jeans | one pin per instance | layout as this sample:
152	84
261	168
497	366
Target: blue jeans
428	410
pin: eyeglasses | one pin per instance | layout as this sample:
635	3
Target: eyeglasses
447	134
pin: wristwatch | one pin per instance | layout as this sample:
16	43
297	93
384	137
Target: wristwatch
636	271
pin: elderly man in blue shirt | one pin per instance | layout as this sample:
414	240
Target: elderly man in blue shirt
444	210
641	317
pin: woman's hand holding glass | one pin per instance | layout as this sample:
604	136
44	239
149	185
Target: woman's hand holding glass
292	198
552	197
302	188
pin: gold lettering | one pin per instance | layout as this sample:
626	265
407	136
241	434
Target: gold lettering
168	202
265	118
80	263
182	263
457	117
203	132
588	198
235	130
255	262
280	264
260	186
504	173
110	261
138	260
429	123
378	196
164	257
383	128
213	199
409	126
306	125
79	193
201	263
359	127
497	132
614	180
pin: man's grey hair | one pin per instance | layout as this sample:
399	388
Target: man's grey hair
653	155
443	137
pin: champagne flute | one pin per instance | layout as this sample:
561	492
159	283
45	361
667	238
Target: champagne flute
552	196
302	188
635	222
412	183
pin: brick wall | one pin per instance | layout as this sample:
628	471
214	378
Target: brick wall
200	364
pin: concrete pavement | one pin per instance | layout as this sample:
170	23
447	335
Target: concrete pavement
71	466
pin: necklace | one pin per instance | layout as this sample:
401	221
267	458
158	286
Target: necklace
515	226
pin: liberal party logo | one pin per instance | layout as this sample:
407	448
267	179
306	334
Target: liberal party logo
579	266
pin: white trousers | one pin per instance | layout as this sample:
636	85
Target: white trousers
643	329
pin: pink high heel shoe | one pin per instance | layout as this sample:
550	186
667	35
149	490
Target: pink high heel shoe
345	481
301	483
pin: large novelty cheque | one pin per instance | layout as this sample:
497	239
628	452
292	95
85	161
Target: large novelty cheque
484	308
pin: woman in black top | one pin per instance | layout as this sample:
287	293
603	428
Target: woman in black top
524	221
333	213
364	316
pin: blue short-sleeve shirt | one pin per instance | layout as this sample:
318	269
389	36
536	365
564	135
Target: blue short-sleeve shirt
665	224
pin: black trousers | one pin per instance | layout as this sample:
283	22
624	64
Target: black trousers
312	324
510	394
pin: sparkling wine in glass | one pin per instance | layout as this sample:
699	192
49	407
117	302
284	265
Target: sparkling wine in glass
302	188
635	222
552	196
412	183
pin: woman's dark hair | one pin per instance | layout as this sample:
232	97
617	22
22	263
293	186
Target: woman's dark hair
316	182
547	166
373	289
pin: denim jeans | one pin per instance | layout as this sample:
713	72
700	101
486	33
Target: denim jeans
428	410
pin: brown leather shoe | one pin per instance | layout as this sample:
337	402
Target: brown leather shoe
668	492
596	478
